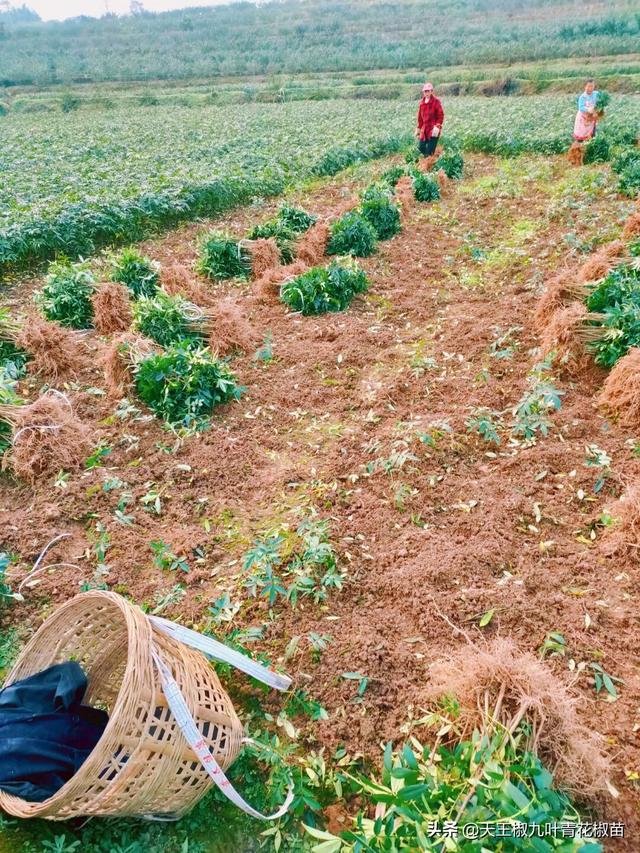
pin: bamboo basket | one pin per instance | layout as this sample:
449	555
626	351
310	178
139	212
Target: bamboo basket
142	765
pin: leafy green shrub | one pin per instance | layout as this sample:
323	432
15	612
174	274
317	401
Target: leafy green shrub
597	150
138	273
223	258
412	156
629	183
616	304
323	289
353	235
378	209
392	176
425	187
66	295
295	218
487	780
451	163
183	384
283	235
602	99
168	319
627	157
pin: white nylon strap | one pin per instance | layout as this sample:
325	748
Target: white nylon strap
180	711
214	649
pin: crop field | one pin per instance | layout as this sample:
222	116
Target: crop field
381	434
72	182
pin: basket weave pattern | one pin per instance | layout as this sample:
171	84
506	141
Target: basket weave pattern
142	764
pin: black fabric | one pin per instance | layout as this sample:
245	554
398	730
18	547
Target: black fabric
428	146
46	734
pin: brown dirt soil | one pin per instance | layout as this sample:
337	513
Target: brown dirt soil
575	154
55	351
621	390
561	337
265	255
363	416
111	308
47	438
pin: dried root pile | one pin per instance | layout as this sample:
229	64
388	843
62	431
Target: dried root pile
111	308
500	685
46	438
621	391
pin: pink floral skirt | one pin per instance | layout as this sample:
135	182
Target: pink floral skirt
584	128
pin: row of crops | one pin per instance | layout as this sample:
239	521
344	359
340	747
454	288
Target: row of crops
70	183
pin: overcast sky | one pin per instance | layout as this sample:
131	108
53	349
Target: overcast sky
59	9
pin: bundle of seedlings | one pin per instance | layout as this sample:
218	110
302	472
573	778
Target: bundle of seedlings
285	229
620	393
562	340
139	274
170	319
111	308
312	246
324	289
575	154
602	100
631	227
451	163
222	258
46	437
425	187
380	212
66	295
182	385
597	150
604	260
392	176
178	280
228	328
352	235
13	359
267	287
123	353
264	253
501	685
47	348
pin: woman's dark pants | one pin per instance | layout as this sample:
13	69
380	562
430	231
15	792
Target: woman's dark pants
428	146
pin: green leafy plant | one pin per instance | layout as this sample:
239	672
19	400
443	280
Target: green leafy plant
184	384
9	399
169	319
604	681
425	187
323	289
629	182
279	231
627	157
531	413
378	209
613	326
223	258
597	150
296	219
603	98
486	423
392	176
66	295
12	358
451	163
353	235
138	273
164	558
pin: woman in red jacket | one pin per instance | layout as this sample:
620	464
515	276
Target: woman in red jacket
430	120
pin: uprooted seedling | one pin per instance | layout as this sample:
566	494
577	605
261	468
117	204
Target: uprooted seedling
66	294
323	289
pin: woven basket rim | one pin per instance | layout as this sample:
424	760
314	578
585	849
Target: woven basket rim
122	607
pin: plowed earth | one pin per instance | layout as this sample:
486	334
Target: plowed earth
446	523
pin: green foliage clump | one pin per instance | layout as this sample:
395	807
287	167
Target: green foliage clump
451	163
295	218
625	158
490	779
323	289
425	187
598	150
222	258
183	384
168	319
12	358
602	99
66	295
284	229
138	273
616	304
392	176
378	209
8	397
353	235
629	182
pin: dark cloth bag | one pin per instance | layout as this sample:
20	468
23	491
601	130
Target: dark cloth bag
46	734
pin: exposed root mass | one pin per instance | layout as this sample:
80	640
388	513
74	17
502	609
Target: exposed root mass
561	337
229	329
265	255
55	351
515	686
179	280
312	246
111	308
621	390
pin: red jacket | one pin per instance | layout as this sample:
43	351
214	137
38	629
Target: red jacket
430	115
